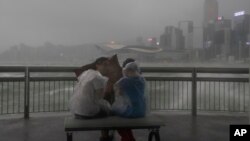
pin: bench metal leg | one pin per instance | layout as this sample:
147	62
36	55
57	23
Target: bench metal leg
69	136
154	133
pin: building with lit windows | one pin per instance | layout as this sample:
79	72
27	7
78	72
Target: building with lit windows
241	28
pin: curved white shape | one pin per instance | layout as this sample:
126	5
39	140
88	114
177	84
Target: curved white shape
115	46
156	50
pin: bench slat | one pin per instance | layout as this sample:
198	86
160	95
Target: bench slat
112	123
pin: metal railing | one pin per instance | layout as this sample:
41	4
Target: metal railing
202	89
48	89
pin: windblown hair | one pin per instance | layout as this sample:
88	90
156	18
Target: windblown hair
98	61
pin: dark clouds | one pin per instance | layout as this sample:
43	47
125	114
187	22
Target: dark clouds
84	21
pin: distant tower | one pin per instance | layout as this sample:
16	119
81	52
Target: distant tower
211	11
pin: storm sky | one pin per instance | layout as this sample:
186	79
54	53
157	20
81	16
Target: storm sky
34	22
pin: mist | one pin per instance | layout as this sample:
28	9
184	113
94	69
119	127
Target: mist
90	21
61	29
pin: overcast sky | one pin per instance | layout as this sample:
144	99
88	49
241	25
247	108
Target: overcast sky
72	22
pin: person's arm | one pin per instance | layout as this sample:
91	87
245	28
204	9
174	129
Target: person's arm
117	87
99	84
117	90
99	93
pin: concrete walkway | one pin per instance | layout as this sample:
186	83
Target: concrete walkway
180	127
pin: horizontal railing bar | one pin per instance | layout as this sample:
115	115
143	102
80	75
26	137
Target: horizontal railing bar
168	78
222	70
167	69
53	79
52	69
198	70
3	79
12	69
144	69
222	79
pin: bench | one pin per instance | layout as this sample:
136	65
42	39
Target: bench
114	123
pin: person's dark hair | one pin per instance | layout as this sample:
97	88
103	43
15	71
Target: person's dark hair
100	60
128	60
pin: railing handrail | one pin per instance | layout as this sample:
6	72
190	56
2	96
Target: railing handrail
70	69
143	69
12	68
150	78
168	69
37	68
222	70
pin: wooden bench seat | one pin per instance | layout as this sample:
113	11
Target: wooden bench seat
151	122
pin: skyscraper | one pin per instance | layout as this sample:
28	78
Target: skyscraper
172	38
211	11
210	16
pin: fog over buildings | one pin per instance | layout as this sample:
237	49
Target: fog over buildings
64	22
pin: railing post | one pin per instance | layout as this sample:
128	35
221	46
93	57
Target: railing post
249	94
194	93
26	93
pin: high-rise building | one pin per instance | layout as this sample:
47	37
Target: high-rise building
241	33
211	11
222	23
222	37
221	27
172	38
210	17
242	26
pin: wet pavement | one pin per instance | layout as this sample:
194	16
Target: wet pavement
179	127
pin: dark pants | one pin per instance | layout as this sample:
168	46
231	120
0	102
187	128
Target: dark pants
102	113
126	135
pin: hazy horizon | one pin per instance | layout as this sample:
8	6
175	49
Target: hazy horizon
90	21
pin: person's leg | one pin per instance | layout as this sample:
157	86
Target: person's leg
105	136
126	135
104	133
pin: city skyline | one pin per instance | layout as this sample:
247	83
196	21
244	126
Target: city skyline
71	23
